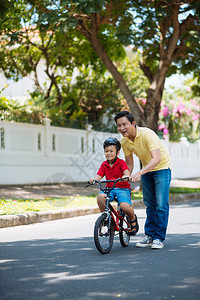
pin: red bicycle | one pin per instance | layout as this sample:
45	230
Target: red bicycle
111	222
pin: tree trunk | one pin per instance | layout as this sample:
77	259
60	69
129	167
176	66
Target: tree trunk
119	81
152	108
157	82
154	98
97	46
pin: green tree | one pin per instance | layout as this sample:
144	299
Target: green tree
56	50
60	48
167	32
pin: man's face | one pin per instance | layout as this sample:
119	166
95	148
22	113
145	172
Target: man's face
125	127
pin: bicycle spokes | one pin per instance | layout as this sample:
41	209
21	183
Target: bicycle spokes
103	234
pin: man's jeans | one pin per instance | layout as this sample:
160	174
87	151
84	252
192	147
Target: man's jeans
155	188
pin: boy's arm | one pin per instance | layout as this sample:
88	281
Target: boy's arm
97	177
126	173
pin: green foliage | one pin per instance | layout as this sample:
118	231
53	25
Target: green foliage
88	99
97	95
63	115
153	25
50	31
11	12
49	37
135	78
10	110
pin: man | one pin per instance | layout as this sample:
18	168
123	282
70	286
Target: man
155	175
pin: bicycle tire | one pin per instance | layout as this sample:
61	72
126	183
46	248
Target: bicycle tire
123	236
103	235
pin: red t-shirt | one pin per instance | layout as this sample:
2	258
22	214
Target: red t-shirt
117	171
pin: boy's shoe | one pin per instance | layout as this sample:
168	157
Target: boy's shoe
157	244
146	242
134	228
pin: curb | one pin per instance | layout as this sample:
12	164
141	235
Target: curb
33	217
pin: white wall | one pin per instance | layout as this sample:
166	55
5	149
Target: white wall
46	154
31	154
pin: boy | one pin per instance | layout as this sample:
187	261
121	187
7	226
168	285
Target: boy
112	169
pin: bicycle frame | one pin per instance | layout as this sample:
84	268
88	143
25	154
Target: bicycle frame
109	222
115	215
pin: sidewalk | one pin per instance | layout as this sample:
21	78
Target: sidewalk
63	190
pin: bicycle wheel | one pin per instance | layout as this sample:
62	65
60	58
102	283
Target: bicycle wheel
103	235
123	236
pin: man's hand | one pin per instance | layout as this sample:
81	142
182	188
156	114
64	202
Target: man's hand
135	177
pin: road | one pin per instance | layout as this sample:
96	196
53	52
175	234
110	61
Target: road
58	260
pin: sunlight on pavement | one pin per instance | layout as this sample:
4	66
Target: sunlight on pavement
56	277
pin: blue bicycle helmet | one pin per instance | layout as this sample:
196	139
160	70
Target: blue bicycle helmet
112	141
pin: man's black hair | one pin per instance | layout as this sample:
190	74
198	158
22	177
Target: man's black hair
126	114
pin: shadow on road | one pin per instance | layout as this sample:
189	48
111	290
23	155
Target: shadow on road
73	269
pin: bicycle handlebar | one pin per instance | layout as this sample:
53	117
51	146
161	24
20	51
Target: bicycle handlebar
105	181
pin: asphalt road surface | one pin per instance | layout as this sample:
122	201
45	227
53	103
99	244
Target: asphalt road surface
58	260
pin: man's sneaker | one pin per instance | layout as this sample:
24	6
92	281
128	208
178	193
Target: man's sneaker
146	242
157	244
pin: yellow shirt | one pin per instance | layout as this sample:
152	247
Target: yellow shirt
145	141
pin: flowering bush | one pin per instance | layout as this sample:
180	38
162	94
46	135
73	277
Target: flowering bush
180	116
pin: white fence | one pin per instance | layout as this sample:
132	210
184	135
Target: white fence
31	154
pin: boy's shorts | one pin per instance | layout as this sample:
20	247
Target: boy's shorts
123	195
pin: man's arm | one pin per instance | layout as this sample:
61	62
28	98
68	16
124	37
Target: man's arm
129	162
156	159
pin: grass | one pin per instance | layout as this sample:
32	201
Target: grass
20	206
183	190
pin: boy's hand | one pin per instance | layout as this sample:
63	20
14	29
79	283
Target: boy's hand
126	177
91	180
97	177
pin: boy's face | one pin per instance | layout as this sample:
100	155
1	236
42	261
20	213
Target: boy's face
110	152
125	127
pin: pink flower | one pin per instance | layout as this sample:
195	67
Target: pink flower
188	112
144	100
161	126
165	111
188	89
195	117
180	108
165	131
174	110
